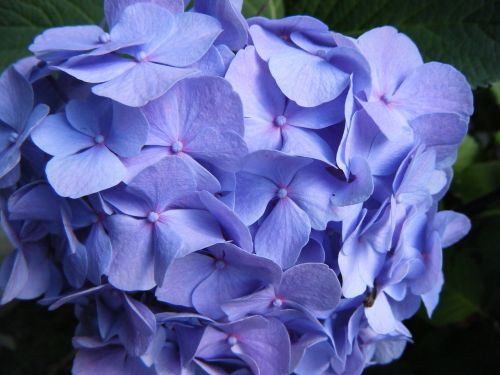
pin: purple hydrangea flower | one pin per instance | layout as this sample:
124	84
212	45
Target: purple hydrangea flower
86	142
199	121
262	344
289	195
279	42
224	196
404	88
272	121
153	46
209	279
18	118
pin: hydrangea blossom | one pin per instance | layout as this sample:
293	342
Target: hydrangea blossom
222	195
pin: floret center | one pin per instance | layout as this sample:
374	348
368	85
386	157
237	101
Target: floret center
277	302
13	137
282	193
280	121
99	139
321	53
141	56
177	147
153	217
220	264
231	340
104	38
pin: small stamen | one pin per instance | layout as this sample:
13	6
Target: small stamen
153	217
99	139
321	53
141	56
232	341
277	302
177	147
104	38
282	193
13	137
280	121
220	264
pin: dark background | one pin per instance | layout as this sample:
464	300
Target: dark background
463	336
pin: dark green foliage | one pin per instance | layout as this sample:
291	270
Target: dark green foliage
22	20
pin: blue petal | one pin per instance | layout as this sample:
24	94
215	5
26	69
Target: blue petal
88	172
291	225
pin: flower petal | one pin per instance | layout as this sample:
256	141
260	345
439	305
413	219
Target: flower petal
88	172
288	223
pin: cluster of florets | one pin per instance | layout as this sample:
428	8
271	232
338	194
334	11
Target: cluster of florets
225	194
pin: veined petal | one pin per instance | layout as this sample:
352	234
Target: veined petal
85	173
288	223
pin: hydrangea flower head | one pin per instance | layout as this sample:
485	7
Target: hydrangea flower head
221	195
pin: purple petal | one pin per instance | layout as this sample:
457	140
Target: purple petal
131	122
311	189
85	173
99	250
236	274
142	83
276	166
252	195
314	286
380	316
226	150
262	135
166	245
188	272
266	342
443	132
138	331
91	117
59	43
113	9
320	81
366	141
389	120
451	226
256	303
319	117
434	88
232	227
34	201
289	223
233	23
192	37
261	97
132	267
358	188
14	275
197	228
55	136
391	55
110	360
164	182
96	69
306	143
16	99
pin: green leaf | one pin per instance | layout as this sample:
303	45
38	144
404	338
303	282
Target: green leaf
22	20
463	33
477	180
462	292
266	8
496	91
467	153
